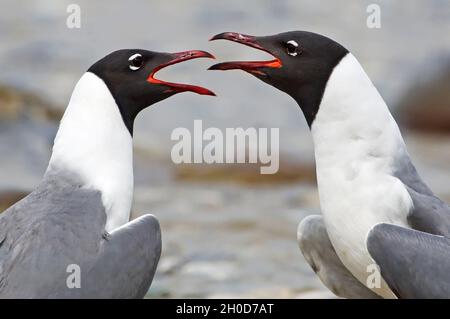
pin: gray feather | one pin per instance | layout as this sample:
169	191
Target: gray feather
429	213
319	253
413	263
59	224
125	265
405	170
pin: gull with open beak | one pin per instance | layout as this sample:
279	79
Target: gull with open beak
376	209
71	237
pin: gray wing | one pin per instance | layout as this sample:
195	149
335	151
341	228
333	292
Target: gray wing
126	264
57	225
319	253
62	224
429	213
413	263
130	257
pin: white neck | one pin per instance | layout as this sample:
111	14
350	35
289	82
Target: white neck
93	142
353	125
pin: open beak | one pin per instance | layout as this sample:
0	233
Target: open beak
177	58
248	66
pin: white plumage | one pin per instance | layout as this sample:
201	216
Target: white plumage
92	124
356	139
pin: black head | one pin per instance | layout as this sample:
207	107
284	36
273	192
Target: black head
301	68
129	75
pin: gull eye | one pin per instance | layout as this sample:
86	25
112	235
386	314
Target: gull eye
292	48
135	61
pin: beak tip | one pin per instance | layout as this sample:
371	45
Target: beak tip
214	67
208	92
220	36
203	54
206	55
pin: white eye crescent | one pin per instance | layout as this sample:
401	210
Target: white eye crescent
291	48
136	61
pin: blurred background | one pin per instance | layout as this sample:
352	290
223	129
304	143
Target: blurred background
227	230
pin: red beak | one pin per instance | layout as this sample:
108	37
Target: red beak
249	66
177	58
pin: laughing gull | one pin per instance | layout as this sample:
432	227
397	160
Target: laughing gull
75	223
376	209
